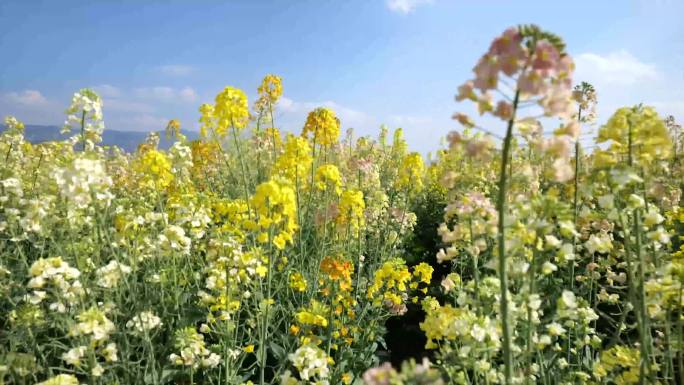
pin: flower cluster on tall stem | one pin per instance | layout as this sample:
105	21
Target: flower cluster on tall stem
524	64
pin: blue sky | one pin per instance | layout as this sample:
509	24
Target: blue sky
396	62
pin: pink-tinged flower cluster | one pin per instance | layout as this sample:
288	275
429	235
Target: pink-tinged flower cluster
472	204
479	147
524	65
543	73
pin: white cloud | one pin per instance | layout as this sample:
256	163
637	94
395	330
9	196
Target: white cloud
408	120
126	109
405	6
147	122
31	107
107	91
296	112
286	104
176	70
148	108
166	94
124	105
26	98
188	94
423	131
622	79
137	121
618	68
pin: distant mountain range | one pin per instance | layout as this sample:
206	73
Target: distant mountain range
126	140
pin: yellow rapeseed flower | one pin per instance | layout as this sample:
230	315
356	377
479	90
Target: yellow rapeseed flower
315	314
297	282
328	176
295	162
276	208
351	211
230	110
640	127
154	168
410	174
271	88
324	126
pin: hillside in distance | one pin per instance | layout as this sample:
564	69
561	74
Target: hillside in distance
126	140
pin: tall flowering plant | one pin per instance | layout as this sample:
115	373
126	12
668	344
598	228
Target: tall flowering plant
565	276
524	65
237	258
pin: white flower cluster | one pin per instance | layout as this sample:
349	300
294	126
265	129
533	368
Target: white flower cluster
658	234
311	363
577	316
152	139
28	213
93	322
11	193
600	243
14	133
144	322
35	212
85	113
84	180
192	216
108	276
148	225
74	357
193	351
180	156
54	273
10	187
173	239
479	220
229	269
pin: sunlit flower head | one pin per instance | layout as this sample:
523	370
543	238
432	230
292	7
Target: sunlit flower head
323	125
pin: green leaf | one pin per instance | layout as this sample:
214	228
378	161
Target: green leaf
278	351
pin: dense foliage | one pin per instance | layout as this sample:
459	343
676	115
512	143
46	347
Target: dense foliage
253	255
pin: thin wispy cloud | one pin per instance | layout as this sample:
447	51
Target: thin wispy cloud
31	107
26	97
129	109
623	79
166	94
405	6
143	108
176	69
615	68
107	91
295	112
410	120
126	106
148	122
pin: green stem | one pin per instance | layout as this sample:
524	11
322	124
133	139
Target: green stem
575	213
264	334
258	150
530	325
644	329
273	129
242	166
642	320
503	276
